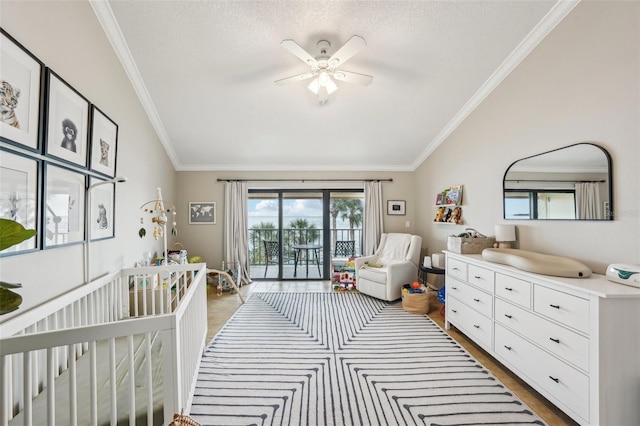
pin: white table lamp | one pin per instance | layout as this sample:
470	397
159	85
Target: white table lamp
505	234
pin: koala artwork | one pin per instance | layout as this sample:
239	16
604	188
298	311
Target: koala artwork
70	132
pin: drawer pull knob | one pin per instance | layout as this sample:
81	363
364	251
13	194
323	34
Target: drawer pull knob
476	326
555	306
454	288
477	277
555	379
455	269
454	311
508	316
554	340
507	347
508	288
476	300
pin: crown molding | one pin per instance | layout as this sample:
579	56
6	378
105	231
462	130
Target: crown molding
105	16
559	11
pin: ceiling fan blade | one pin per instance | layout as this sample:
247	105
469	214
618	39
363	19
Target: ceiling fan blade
294	78
299	52
350	48
353	77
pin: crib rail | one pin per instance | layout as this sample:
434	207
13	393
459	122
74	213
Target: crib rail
68	344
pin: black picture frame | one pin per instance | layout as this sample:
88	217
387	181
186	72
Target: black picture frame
104	143
24	75
67	122
20	192
102	210
63	206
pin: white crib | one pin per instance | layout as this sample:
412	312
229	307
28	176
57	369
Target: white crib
123	349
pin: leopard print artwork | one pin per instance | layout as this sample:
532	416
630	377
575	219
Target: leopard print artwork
8	103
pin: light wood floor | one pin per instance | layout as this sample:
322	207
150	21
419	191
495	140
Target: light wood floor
221	308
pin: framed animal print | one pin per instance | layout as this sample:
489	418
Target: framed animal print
104	143
63	206
21	95
101	210
67	121
20	196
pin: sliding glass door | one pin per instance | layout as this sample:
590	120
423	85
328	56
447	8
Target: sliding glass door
294	233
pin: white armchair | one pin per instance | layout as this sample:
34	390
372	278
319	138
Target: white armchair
399	256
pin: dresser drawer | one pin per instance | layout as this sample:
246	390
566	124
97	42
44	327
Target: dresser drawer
514	290
567	309
473	324
560	341
562	382
471	296
481	277
457	269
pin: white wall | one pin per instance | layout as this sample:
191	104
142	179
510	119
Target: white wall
67	37
581	84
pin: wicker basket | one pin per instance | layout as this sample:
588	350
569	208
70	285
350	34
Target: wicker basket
469	245
183	420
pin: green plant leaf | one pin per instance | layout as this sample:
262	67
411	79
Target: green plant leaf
12	233
9	301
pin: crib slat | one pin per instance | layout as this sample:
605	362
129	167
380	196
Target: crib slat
28	406
4	392
147	339
73	390
51	386
132	383
93	382
112	381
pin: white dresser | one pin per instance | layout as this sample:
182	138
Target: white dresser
575	340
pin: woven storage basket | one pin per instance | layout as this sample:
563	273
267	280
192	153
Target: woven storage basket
415	303
183	420
469	245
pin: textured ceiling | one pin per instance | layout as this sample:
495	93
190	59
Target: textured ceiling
205	72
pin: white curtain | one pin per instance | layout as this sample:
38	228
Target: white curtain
373	217
236	234
588	201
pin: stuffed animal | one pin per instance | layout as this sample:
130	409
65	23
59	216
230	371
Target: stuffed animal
439	215
456	216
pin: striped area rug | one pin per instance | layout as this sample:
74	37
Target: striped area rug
344	359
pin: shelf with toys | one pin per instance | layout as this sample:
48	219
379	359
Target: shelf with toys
448	206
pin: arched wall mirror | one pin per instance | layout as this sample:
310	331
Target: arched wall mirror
569	183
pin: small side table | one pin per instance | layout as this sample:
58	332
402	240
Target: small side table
422	274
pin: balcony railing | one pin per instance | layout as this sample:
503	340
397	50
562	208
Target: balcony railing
293	236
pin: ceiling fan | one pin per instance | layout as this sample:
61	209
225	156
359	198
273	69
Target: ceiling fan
324	67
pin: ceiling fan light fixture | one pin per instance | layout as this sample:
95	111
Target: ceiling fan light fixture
314	86
331	86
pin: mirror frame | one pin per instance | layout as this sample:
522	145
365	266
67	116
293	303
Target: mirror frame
611	213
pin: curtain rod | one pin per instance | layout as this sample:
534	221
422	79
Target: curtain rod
555	180
305	180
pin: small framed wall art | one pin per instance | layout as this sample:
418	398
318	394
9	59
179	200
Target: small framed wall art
67	120
63	206
22	90
202	213
104	143
19	196
396	207
101	210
